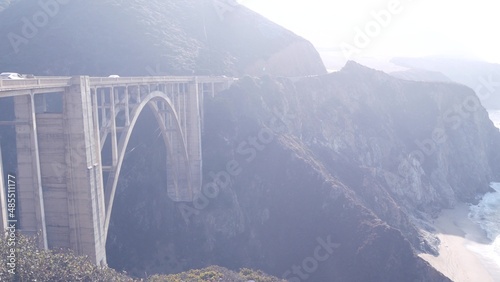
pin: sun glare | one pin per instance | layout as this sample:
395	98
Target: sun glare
417	28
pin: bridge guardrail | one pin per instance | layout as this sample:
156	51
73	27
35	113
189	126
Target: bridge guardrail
135	80
51	82
159	79
21	84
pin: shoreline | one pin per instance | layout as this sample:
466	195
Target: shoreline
462	240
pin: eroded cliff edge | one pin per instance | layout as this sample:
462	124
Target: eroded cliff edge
357	157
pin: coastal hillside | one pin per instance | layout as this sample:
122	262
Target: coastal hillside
358	157
132	38
306	175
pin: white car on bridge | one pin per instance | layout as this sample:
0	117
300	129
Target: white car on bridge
10	75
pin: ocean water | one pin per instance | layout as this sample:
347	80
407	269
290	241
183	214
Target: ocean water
487	214
495	117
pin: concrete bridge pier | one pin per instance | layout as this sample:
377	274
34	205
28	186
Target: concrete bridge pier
193	136
3	200
68	211
30	201
85	193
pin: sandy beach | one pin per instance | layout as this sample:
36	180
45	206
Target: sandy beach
462	241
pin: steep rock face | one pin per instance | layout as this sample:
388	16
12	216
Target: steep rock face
134	37
407	133
287	206
407	149
336	160
281	212
287	63
289	166
395	141
404	149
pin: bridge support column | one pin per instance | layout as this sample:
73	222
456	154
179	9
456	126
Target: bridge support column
30	202
60	190
193	136
3	201
83	173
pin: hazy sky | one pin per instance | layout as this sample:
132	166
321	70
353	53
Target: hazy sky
404	28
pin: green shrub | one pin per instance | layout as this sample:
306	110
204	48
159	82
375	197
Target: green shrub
215	274
34	264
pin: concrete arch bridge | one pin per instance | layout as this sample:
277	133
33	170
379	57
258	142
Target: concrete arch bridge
71	138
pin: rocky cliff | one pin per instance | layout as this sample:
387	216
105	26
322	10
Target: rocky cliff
319	178
407	148
135	37
346	166
409	132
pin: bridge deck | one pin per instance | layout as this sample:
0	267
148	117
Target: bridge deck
18	87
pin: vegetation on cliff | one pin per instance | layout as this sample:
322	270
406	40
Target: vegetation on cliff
317	178
34	264
286	194
156	37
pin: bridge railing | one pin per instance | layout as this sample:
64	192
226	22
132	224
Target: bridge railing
96	81
60	82
15	84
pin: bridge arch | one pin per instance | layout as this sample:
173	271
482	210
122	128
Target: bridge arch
178	168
